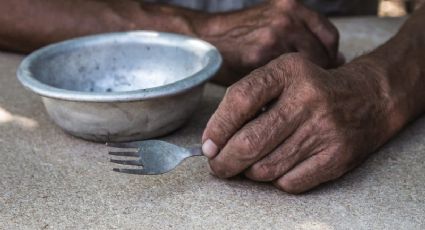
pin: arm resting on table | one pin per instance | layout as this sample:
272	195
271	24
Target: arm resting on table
26	25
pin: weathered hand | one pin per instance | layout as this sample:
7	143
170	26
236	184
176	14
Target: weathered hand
250	38
319	124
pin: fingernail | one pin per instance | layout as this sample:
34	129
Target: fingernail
209	148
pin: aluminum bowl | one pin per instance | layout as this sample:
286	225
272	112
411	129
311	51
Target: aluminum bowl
121	86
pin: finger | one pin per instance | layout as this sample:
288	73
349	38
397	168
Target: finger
241	103
341	60
311	48
323	29
264	45
257	138
295	149
312	172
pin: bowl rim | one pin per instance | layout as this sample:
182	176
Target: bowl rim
27	79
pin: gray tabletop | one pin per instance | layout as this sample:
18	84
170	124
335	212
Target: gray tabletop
50	180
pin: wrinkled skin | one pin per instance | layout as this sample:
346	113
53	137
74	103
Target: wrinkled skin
247	38
318	125
298	125
251	38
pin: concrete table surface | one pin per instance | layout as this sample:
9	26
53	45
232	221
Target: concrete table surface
50	180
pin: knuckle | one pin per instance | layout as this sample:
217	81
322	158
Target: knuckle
287	4
296	63
266	81
325	160
254	57
220	124
290	64
268	37
246	143
292	4
260	172
241	96
330	166
265	77
221	169
340	162
294	59
311	93
282	22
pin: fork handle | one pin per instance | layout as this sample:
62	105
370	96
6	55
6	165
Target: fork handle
196	151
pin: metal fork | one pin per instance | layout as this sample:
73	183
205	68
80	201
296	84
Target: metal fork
155	156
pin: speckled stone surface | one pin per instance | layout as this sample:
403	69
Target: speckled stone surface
50	180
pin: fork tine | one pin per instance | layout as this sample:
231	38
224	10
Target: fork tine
130	171
134	144
125	154
127	162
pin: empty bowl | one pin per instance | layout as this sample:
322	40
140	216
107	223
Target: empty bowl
121	86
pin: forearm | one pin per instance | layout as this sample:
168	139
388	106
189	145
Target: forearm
29	24
398	68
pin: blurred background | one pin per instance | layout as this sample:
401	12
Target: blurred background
397	8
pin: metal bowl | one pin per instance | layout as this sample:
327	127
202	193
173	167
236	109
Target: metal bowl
121	86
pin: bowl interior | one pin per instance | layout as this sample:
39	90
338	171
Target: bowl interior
118	64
